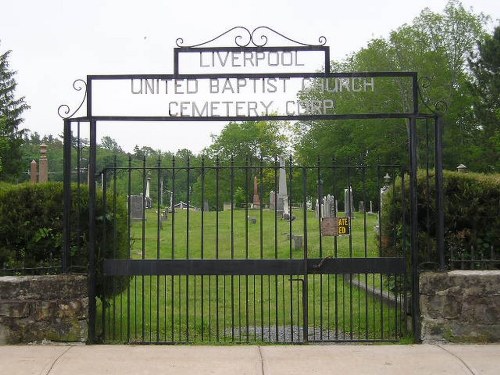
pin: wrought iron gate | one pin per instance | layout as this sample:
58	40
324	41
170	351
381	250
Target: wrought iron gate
254	273
299	264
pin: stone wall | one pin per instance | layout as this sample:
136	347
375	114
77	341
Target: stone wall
38	308
460	306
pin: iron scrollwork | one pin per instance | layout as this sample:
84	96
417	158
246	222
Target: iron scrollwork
64	110
257	38
439	107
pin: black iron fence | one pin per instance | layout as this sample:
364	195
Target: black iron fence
264	251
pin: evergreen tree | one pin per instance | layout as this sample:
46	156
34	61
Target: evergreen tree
485	68
11	110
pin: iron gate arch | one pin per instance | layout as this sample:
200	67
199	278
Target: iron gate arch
294	276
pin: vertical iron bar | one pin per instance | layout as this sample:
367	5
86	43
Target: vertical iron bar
276	306
261	246
92	233
104	241
158	244
143	248
232	242
188	197
247	321
321	256
405	243
305	302
217	171
129	242
438	154
202	244
414	230
115	237
351	255
67	197
172	278
365	239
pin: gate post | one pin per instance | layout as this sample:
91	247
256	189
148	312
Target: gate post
67	196
92	233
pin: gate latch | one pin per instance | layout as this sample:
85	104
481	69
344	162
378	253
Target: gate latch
320	264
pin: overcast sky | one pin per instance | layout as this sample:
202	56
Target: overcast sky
54	42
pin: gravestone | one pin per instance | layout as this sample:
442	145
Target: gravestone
297	242
361	206
348	202
272	200
309	204
329	206
227	206
148	200
136	204
282	204
256	198
206	207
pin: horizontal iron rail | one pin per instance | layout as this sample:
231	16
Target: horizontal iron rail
111	77
418	116
360	116
149	267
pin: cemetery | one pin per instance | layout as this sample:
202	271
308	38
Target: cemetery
323	212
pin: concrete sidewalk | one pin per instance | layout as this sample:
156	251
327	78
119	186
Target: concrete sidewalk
252	360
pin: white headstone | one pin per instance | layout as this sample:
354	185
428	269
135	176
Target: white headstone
282	204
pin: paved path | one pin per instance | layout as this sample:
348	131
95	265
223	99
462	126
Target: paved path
252	360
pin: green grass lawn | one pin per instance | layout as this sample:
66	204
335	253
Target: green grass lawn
227	235
246	308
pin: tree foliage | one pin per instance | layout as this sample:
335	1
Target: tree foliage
485	68
436	46
11	110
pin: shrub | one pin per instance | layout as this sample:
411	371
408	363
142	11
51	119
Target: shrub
472	217
31	228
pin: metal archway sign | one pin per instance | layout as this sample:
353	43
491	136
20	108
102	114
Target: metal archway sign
250	81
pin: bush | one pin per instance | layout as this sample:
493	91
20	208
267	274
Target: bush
472	217
31	228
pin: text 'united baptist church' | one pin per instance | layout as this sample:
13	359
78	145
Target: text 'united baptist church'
234	96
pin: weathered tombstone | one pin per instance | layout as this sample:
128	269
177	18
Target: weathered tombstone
256	198
227	206
297	242
252	219
164	215
348	202
371	208
149	202
316	209
282	204
361	206
309	204
136	203
206	207
329	206
272	200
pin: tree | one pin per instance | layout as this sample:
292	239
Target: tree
485	68
249	139
11	110
436	46
244	145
